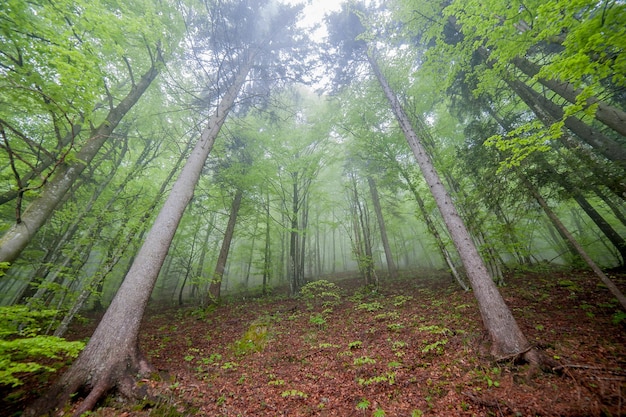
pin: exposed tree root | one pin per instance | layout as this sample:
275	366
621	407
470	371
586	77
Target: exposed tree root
120	376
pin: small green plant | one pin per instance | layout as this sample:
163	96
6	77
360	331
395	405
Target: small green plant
587	308
23	348
618	317
373	306
394	364
379	412
327	346
417	413
362	405
389	377
569	285
276	382
229	366
489	375
317	320
436	346
395	327
322	292
292	393
363	360
357	344
400	300
392	315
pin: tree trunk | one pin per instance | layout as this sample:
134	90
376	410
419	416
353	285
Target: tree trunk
506	336
17	237
267	254
216	283
112	357
391	265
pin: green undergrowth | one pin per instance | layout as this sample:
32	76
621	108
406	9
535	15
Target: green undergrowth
25	350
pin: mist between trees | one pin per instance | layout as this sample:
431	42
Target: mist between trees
198	150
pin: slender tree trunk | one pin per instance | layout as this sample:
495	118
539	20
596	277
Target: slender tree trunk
267	254
251	257
506	336
17	237
546	108
216	282
195	287
112	357
391	265
293	240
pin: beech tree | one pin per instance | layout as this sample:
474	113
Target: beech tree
30	36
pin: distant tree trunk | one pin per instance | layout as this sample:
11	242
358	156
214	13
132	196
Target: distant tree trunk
303	240
37	213
432	228
112	357
267	254
391	265
293	240
363	236
251	257
216	282
506	336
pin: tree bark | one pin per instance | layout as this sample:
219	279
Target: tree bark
391	265
220	267
17	237
506	336
112	357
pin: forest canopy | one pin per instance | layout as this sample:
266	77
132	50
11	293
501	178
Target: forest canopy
176	153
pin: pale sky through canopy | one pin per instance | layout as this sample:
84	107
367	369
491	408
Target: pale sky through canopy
314	12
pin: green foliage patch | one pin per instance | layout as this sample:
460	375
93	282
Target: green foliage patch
23	349
254	339
320	293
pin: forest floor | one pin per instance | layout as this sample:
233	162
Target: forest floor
414	347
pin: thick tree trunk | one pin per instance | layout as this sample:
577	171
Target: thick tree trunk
391	265
506	336
17	237
432	228
112	357
216	283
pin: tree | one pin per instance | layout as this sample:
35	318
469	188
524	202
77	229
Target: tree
28	49
506	336
112	358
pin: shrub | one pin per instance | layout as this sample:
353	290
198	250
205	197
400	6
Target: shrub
23	349
322	292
